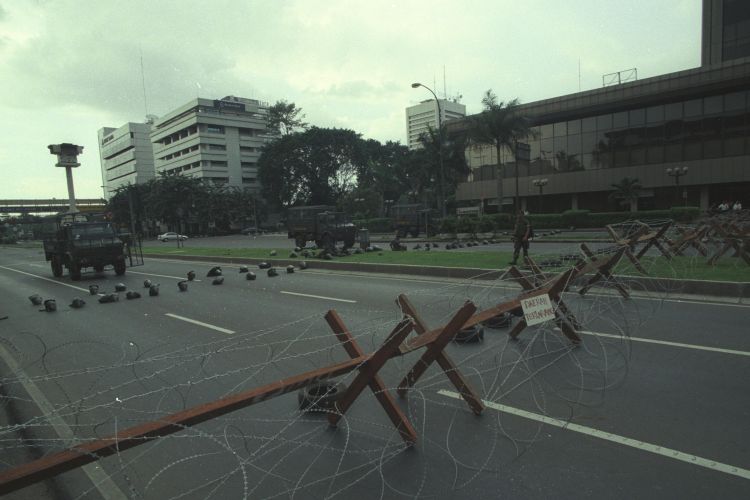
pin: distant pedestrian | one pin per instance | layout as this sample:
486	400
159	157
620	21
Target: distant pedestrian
521	233
724	207
737	206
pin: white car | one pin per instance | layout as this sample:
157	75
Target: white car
171	236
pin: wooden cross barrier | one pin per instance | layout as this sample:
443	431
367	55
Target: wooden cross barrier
643	235
734	237
536	281
603	268
434	352
564	318
655	238
690	237
368	375
447	365
554	288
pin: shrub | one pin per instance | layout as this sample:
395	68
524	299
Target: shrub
448	225
466	225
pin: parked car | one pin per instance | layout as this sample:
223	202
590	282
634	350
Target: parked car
171	237
252	230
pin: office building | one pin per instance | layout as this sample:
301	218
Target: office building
217	141
126	156
422	116
585	142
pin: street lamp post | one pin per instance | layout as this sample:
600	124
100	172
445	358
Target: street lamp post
441	198
540	183
678	172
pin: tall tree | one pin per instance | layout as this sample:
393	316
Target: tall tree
285	117
317	166
500	125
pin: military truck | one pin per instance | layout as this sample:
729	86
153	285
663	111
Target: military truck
412	219
321	224
80	241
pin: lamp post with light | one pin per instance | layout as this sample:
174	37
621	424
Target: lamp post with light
441	197
678	172
540	183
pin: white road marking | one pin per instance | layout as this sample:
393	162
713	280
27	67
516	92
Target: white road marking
200	323
319	297
163	276
95	473
607	436
666	342
45	279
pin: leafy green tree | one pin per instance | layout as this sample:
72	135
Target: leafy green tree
625	192
500	125
317	166
285	117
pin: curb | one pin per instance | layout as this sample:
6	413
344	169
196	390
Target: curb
670	285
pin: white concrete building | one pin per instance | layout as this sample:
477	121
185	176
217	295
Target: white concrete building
217	141
422	116
126	156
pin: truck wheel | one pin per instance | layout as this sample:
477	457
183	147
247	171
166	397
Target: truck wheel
57	268
120	267
75	271
99	268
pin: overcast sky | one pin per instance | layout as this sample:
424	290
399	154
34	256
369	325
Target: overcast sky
71	67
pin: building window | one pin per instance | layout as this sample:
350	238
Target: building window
215	129
217	147
249	180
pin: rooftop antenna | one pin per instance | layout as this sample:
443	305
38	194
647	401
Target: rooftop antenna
143	81
579	74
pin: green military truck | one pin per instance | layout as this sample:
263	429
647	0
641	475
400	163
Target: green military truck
412	219
79	243
321	224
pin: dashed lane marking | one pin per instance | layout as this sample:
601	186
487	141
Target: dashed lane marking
608	436
161	275
200	323
319	297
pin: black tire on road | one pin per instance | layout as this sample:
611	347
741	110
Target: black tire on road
57	267
99	268
120	267
320	396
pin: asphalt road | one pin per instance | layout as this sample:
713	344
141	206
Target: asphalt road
654	403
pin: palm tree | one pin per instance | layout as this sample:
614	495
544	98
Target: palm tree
500	125
626	191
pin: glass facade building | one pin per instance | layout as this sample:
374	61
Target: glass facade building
585	142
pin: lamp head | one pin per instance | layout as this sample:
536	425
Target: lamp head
415	85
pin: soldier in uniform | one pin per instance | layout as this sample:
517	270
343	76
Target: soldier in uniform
521	233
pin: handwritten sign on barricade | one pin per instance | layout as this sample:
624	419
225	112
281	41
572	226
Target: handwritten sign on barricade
537	309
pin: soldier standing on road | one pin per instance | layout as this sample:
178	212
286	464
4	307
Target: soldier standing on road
521	233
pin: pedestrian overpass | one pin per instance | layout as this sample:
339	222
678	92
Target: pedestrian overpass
50	206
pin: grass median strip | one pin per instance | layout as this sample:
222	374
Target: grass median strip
693	268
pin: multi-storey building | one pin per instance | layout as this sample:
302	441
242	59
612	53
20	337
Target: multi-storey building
217	141
126	156
585	142
423	116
